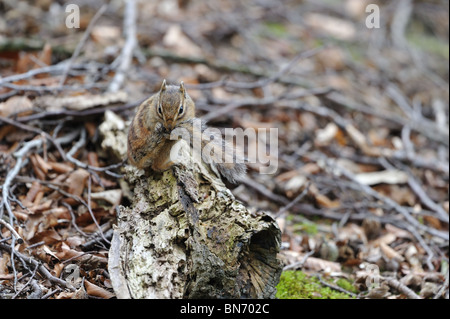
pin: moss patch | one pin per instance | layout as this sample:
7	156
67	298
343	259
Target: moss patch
298	285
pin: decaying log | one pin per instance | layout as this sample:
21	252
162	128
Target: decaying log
185	236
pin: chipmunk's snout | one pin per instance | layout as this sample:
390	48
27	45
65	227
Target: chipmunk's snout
169	125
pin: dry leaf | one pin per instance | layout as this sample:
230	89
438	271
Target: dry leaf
15	105
66	252
412	256
60	167
36	168
80	102
310	168
390	253
402	195
45	56
77	181
317	264
32	192
326	135
43	165
105	34
338	28
65	295
293	185
432	221
49	237
4	261
58	268
322	199
80	293
48	251
331	58
398	232
112	196
178	41
385	239
97	291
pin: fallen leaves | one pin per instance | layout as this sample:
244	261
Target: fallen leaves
384	122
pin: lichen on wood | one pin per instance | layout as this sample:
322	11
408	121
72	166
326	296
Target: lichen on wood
186	236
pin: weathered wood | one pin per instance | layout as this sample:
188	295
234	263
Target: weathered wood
185	236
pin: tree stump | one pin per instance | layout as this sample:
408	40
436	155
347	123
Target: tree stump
185	236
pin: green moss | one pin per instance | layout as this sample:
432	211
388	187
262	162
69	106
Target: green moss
275	29
305	226
309	228
298	285
347	285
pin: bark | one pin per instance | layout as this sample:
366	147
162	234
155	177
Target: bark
186	236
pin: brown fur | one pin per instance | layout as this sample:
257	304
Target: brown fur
149	141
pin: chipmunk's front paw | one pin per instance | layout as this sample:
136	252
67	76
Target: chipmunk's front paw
159	127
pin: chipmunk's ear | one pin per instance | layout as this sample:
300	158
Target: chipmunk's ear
182	89
163	86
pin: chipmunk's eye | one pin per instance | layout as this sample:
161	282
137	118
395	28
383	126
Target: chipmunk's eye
181	109
160	110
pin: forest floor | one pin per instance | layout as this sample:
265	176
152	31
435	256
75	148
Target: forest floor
361	182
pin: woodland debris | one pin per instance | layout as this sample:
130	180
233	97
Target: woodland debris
167	246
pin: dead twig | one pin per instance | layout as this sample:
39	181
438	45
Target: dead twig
413	223
79	87
129	26
78	114
334	287
80	44
13	231
299	264
51	69
297	199
397	285
264	191
427	128
28	128
275	77
42	270
426	200
444	288
232	105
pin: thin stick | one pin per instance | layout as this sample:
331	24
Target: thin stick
36	88
394	283
12	230
264	101
26	127
83	113
80	44
426	200
41	268
340	289
264	191
129	25
284	209
299	264
283	70
444	287
413	223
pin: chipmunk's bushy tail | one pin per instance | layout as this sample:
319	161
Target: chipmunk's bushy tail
220	154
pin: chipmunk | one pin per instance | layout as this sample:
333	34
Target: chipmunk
149	136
